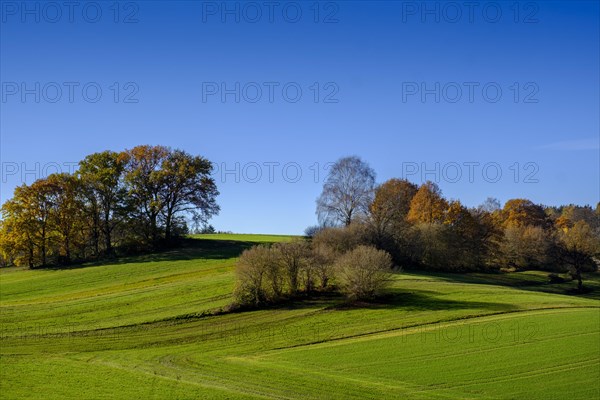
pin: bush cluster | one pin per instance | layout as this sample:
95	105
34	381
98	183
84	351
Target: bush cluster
334	260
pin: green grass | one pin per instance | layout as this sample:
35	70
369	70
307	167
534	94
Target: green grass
134	329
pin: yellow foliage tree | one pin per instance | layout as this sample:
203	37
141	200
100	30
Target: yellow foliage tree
428	205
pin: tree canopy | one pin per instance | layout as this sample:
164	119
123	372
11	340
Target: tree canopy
134	200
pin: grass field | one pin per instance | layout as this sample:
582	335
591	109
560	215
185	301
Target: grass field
141	328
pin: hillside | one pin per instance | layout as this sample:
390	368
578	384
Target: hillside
151	327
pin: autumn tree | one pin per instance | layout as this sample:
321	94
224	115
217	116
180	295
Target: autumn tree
526	241
428	235
6	253
27	223
526	246
427	205
522	212
130	198
574	213
101	176
430	247
390	206
578	245
37	208
144	186
347	192
489	236
466	246
163	183
186	186
66	213
17	231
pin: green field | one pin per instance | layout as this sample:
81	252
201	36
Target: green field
150	327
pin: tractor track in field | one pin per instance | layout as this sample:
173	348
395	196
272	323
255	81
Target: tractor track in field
209	381
117	290
409	329
529	374
194	317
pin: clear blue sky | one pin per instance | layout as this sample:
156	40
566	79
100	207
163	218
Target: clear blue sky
370	62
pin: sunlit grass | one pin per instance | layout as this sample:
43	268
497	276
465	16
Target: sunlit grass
135	328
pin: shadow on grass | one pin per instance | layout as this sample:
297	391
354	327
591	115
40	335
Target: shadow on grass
420	300
534	281
416	300
187	249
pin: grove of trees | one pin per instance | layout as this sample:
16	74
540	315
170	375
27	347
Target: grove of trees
134	200
420	228
365	229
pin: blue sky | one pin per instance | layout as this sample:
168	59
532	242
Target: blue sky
445	93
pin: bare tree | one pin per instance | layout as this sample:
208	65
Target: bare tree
293	258
490	205
320	265
347	192
258	277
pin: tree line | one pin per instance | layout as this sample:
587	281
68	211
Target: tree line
130	201
361	223
420	228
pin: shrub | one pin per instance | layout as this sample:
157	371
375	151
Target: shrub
293	260
320	265
312	230
363	272
257	276
342	240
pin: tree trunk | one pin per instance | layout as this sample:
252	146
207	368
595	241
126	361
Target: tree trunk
579	280
31	257
96	233
67	251
107	234
309	282
168	227
154	229
96	239
43	246
108	242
